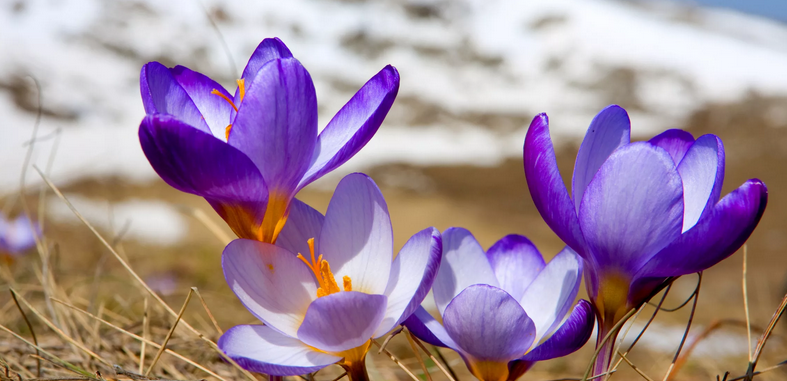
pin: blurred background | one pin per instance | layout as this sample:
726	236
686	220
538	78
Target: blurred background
474	73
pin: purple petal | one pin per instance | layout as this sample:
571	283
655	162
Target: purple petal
546	186
425	327
162	94
18	235
516	263
214	109
268	50
356	237
675	142
715	237
464	263
702	172
354	125
412	274
195	162
258	348
608	131
552	293
571	336
632	208
276	125
342	321
271	282
488	324
303	223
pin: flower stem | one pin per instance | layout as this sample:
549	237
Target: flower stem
356	370
609	335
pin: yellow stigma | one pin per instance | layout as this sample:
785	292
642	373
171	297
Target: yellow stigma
242	88
322	272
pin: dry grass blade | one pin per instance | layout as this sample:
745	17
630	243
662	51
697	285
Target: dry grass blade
58	360
340	377
30	327
203	218
388	339
169	334
631	364
207	310
144	335
696	296
61	333
764	338
746	301
397	362
451	376
777	366
418	356
140	339
606	338
645	328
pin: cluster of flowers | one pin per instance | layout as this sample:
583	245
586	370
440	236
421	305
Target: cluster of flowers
638	215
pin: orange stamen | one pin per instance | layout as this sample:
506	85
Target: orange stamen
227	131
242	88
226	98
322	273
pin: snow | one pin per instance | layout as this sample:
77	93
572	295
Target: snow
149	221
465	56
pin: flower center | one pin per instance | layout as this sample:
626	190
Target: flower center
242	87
322	272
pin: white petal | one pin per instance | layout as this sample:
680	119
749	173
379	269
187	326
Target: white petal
356	237
464	264
550	296
271	282
412	274
260	349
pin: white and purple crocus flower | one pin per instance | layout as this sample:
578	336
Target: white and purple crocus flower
639	213
17	236
328	287
250	152
502	310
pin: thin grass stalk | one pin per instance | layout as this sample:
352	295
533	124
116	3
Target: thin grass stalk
746	302
451	376
30	327
688	327
764	338
612	332
636	369
397	362
169	334
62	334
418	356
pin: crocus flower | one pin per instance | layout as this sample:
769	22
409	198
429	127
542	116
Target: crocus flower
502	310
343	288
249	154
639	213
17	235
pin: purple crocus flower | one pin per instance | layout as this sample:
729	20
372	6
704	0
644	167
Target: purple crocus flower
344	288
17	235
502	310
639	213
249	154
